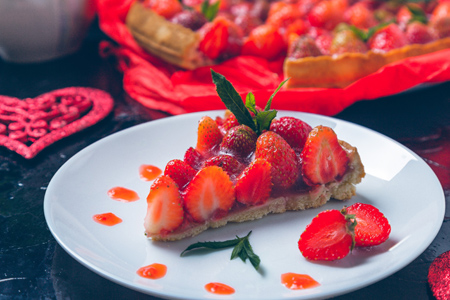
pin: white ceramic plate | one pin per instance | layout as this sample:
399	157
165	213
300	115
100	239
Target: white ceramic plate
398	182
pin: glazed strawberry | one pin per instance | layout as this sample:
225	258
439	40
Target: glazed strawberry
441	27
210	193
327	13
264	41
387	38
221	38
329	236
189	18
360	15
254	185
208	135
346	41
323	158
247	23
229	123
239	141
180	172
442	10
294	131
294	30
273	148
304	46
410	12
228	163
285	15
165	8
418	33
193	158
372	228
165	211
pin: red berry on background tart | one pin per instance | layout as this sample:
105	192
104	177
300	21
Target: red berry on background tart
419	33
346	41
264	41
191	19
329	236
360	15
164	8
304	46
388	38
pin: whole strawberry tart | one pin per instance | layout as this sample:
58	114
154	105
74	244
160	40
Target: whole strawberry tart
323	43
247	164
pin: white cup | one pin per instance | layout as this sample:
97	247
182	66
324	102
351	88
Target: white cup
41	30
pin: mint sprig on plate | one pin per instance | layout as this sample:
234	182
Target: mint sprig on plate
242	249
232	100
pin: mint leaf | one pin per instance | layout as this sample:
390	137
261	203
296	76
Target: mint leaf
242	249
417	14
269	102
232	100
250	103
264	119
210	10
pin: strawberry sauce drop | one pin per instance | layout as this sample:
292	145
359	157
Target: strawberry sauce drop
153	271
149	172
219	288
122	194
296	281
108	219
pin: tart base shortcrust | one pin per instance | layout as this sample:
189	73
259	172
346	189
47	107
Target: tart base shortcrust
318	196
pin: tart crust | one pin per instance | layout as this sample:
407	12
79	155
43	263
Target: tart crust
340	71
343	189
171	42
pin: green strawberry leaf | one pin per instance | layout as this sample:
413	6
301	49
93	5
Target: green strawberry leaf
264	119
417	14
232	100
210	10
269	102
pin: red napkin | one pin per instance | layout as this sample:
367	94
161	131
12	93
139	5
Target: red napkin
160	86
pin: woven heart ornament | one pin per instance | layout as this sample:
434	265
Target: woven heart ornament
30	125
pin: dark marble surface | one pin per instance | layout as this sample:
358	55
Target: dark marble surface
34	266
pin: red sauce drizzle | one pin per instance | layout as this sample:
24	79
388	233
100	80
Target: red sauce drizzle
122	194
108	219
149	172
219	288
153	271
295	281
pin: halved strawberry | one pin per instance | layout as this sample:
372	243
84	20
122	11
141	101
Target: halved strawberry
208	135
228	163
180	172
329	236
254	185
273	148
239	141
372	227
164	211
193	158
324	159
294	131
209	193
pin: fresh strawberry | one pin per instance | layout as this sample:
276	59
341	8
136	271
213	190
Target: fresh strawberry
297	28
418	33
285	15
229	123
247	23
260	9
220	38
165	211
372	227
239	141
346	41
228	163
303	46
189	18
292	130
327	13
360	15
210	193
305	6
387	38
323	42
273	148
329	236
254	185
441	27
264	41
208	135
193	158
164	8
442	10
408	13
180	172
323	158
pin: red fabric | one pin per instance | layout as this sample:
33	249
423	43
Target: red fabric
161	86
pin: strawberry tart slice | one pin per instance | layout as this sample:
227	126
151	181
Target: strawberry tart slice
248	164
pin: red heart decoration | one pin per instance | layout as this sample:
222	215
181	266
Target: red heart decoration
30	125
